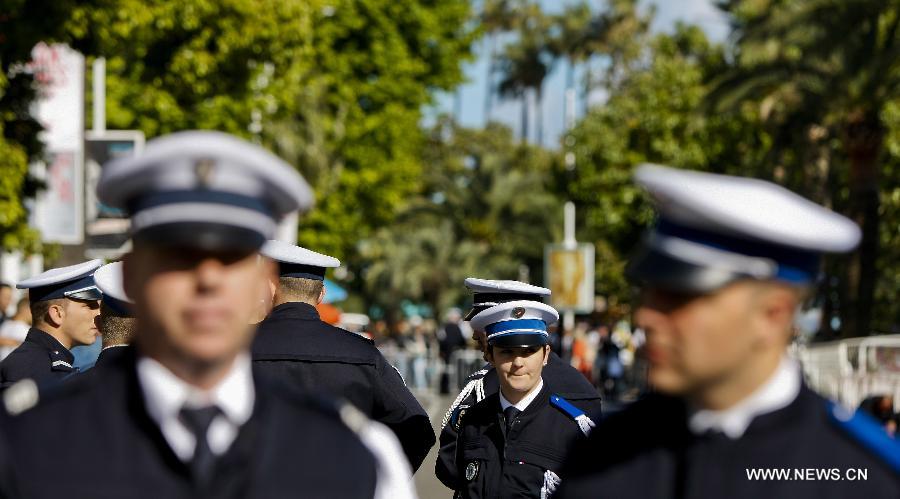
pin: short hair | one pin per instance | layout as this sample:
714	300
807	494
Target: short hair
300	289
115	329
4	284
40	308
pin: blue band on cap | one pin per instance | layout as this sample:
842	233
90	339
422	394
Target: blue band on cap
794	265
59	290
536	326
301	271
154	199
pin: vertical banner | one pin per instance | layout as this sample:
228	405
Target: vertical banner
59	75
569	273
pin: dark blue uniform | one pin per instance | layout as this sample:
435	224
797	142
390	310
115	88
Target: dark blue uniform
647	452
294	345
109	354
92	438
559	378
40	357
523	461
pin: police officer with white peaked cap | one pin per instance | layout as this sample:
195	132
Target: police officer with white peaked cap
116	321
64	303
295	345
722	272
512	443
561	378
185	415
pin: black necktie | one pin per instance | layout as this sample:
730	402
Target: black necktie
510	414
197	420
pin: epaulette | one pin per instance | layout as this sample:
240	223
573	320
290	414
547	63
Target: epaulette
476	385
584	422
865	430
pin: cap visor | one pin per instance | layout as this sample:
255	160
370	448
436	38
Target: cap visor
202	236
520	340
90	294
650	267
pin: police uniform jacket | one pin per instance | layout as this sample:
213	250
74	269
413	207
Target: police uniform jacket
559	378
40	357
491	462
647	451
109	354
92	438
294	345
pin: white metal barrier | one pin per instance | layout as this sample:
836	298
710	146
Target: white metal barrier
851	370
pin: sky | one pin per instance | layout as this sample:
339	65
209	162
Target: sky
472	94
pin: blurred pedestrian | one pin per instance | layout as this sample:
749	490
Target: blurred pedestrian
450	340
14	330
6	296
722	273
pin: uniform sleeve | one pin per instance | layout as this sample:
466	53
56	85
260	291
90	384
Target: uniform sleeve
398	409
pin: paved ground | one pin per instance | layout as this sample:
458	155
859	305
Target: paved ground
427	485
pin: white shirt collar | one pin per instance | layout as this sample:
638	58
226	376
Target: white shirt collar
165	394
113	346
777	392
526	400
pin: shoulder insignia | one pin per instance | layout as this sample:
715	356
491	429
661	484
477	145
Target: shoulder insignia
584	422
456	418
862	428
21	397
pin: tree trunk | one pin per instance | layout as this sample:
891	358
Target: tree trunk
489	85
863	138
539	113
524	129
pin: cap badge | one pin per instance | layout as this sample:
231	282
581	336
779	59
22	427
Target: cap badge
472	471
203	169
517	312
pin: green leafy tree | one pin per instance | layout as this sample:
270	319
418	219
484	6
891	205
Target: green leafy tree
654	115
22	25
485	209
334	87
835	65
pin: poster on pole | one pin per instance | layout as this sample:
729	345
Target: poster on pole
107	227
569	273
59	77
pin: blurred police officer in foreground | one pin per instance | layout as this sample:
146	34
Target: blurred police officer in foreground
723	272
561	378
512	443
64	303
116	321
185	416
295	345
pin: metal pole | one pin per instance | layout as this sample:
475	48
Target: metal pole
99	88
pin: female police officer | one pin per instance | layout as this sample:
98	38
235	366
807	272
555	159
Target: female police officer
511	444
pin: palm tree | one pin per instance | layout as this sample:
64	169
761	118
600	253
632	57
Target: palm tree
497	16
837	63
526	63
